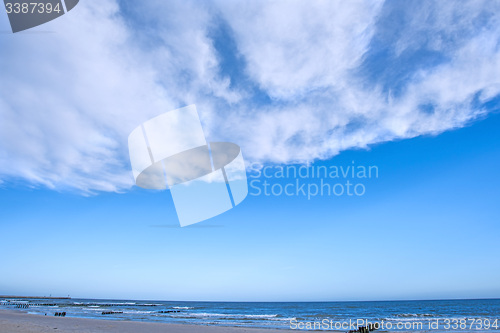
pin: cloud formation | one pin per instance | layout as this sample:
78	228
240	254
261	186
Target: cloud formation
289	81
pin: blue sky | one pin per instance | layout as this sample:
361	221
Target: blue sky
378	83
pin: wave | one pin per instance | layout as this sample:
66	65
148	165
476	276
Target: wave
226	316
182	307
414	315
230	315
261	316
137	312
116	304
433	318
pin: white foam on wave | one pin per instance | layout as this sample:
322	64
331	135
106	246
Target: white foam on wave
226	316
440	319
115	304
137	312
415	315
262	316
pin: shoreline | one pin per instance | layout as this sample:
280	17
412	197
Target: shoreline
13	321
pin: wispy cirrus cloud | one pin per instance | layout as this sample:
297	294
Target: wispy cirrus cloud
287	80
412	74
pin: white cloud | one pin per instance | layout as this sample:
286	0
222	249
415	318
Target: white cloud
69	99
295	47
347	110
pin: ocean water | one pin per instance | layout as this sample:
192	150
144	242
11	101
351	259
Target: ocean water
394	316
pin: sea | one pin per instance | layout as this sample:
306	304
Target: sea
482	315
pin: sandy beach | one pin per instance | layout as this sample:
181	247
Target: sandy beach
20	322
